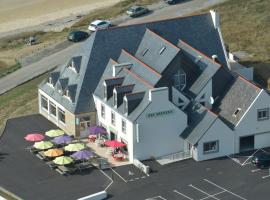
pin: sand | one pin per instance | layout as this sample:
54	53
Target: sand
19	14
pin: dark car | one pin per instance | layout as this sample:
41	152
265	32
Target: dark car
171	2
136	11
261	160
77	36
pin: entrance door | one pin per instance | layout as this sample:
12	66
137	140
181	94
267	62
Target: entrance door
112	136
246	143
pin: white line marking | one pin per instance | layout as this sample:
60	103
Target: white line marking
137	178
182	194
119	175
156	198
234	159
224	189
209	195
108	178
250	157
143	177
266	176
213	195
255	170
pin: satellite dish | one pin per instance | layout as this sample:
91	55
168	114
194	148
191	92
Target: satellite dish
211	100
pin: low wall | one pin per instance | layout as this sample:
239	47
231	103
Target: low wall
97	196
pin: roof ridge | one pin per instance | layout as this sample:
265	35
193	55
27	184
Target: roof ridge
144	64
139	78
157	21
113	61
134	93
113	78
121	86
201	53
152	32
247	81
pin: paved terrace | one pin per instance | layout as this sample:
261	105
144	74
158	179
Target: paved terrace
30	178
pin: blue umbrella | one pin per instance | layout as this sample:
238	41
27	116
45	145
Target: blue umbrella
97	130
83	154
62	139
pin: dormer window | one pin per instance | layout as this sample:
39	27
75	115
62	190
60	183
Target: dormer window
144	52
236	112
72	66
162	50
125	106
114	98
50	81
104	91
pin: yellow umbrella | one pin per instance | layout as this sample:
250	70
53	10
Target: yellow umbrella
43	145
74	147
55	133
53	152
63	160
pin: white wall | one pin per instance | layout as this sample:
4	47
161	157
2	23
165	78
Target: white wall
262	140
159	135
218	131
128	136
249	125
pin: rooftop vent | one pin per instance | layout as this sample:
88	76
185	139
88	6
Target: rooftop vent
162	50
215	58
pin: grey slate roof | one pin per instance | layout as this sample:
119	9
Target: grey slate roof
241	94
200	121
102	45
149	51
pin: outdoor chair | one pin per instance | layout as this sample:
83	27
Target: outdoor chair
34	150
51	164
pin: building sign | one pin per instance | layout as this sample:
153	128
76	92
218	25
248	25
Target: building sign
159	114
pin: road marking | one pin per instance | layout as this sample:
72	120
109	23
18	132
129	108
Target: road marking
152	198
266	176
250	157
255	170
119	175
234	159
213	195
108	178
208	195
182	194
224	189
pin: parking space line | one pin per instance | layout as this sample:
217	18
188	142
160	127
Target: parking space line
160	197
224	189
250	157
235	160
182	194
255	170
108	178
266	176
213	195
208	195
119	175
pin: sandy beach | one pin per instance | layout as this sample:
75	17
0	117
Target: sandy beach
20	14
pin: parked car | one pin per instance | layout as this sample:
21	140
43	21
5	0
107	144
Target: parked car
77	36
99	24
171	2
261	160
135	11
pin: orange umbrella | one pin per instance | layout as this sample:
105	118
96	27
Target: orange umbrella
53	152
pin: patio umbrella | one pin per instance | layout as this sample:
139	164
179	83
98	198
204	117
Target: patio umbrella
62	139
97	130
34	137
74	147
53	152
54	133
83	154
114	143
63	160
43	145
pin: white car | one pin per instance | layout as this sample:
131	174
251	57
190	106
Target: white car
99	24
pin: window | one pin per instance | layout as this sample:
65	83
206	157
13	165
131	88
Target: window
114	99
61	115
125	106
52	109
162	50
105	91
236	112
210	147
44	102
113	118
179	80
85	123
123	126
263	114
102	111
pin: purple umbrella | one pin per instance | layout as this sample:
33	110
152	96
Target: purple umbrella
97	130
62	139
83	154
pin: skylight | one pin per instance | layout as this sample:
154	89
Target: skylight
236	112
162	50
144	52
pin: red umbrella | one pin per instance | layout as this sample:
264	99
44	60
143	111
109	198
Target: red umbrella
114	143
34	137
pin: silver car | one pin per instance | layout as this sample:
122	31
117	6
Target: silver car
135	11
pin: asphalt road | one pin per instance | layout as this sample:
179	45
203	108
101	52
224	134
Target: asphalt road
48	63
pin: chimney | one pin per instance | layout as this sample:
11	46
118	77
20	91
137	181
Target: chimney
118	67
215	58
215	18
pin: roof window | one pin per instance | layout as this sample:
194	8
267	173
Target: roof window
162	50
144	52
236	112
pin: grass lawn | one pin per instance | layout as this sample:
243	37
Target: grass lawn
245	26
22	100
